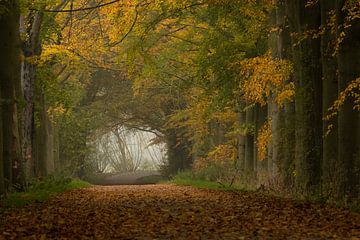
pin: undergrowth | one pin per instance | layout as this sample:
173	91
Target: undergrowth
40	191
205	180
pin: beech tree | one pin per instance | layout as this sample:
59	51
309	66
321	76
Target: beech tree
11	159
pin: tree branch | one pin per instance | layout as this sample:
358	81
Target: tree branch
78	9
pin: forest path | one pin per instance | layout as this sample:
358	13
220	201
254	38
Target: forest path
173	212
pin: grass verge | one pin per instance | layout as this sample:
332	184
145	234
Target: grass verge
41	191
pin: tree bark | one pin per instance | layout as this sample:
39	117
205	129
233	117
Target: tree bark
2	183
241	143
330	94
249	142
260	119
44	142
308	99
178	154
286	114
348	174
9	86
31	48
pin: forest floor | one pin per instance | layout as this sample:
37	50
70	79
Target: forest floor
174	212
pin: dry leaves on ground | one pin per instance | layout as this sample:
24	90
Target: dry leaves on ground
173	212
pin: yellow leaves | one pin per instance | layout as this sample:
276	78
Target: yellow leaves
50	51
311	3
56	111
263	140
261	76
286	94
221	155
352	91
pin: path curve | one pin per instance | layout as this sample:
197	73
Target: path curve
173	212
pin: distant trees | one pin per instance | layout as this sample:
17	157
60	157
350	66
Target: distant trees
124	150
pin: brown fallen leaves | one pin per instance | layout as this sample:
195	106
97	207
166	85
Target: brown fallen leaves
173	212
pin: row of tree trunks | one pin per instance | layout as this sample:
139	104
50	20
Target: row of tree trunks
17	91
302	153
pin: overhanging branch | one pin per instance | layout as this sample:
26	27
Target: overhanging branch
77	9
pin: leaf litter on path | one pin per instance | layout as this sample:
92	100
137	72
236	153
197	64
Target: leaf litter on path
174	212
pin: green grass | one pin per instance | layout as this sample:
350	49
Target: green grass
41	191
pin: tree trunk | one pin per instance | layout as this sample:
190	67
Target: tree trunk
249	141
57	163
2	183
260	119
285	126
241	144
308	99
44	142
348	175
31	48
178	154
10	82
330	94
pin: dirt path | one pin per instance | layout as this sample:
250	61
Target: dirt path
171	212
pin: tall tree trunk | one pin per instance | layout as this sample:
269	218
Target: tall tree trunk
241	144
308	99
31	48
260	120
275	113
330	94
57	163
10	82
249	141
44	142
40	148
286	114
2	183
277	121
349	143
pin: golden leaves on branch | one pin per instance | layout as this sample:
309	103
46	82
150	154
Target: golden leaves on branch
352	91
262	76
221	155
263	140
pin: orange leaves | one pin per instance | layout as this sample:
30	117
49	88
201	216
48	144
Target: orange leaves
223	154
218	165
262	76
263	140
352	91
173	212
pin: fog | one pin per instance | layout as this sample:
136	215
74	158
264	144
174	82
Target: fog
124	150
